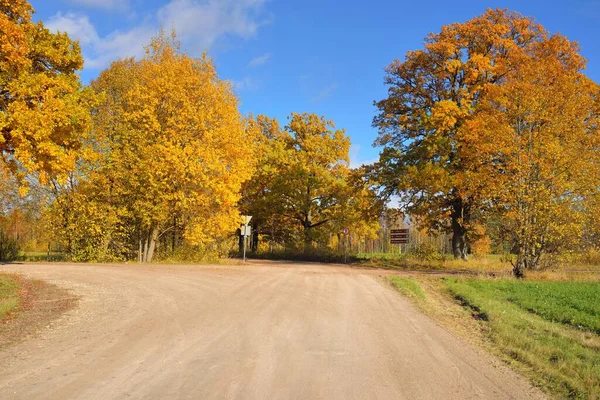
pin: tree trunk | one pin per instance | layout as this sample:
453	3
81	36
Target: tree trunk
240	241
307	239
145	253
520	265
459	217
174	236
150	245
528	258
519	268
255	239
459	244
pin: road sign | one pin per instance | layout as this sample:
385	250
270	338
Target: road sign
399	236
345	231
245	231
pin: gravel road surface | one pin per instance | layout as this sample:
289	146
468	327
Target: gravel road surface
272	331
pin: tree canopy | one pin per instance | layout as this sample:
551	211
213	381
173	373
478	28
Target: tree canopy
43	109
304	180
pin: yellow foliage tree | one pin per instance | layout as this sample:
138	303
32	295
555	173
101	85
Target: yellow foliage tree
172	145
43	109
258	198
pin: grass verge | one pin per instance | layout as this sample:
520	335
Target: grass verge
27	305
547	330
408	287
9	296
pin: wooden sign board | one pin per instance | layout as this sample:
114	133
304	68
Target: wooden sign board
399	236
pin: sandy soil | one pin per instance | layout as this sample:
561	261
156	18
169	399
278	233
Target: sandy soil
265	331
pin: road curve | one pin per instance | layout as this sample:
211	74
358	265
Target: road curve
234	332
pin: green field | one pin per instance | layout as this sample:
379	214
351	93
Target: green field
9	295
548	330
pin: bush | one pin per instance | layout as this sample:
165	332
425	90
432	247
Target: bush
426	252
322	255
9	247
188	253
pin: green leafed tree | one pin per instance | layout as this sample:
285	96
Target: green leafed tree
303	181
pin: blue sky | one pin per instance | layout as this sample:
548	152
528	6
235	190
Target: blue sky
285	56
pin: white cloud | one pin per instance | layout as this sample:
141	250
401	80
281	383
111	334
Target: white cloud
260	60
77	26
107	4
325	93
355	160
120	45
199	24
100	51
246	83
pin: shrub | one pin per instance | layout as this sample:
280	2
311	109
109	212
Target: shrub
9	247
426	252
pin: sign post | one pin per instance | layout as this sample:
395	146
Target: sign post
245	231
399	237
346	232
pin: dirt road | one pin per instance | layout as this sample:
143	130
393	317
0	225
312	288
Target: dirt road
234	332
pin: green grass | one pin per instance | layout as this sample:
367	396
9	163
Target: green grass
41	256
407	286
548	330
9	295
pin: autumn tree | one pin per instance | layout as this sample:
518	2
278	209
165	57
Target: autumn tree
361	211
535	142
43	109
171	153
258	198
303	182
432	94
311	179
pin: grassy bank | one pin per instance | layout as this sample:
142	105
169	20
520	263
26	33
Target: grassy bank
549	331
9	295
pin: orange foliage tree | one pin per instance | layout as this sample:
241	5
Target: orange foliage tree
534	141
436	98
